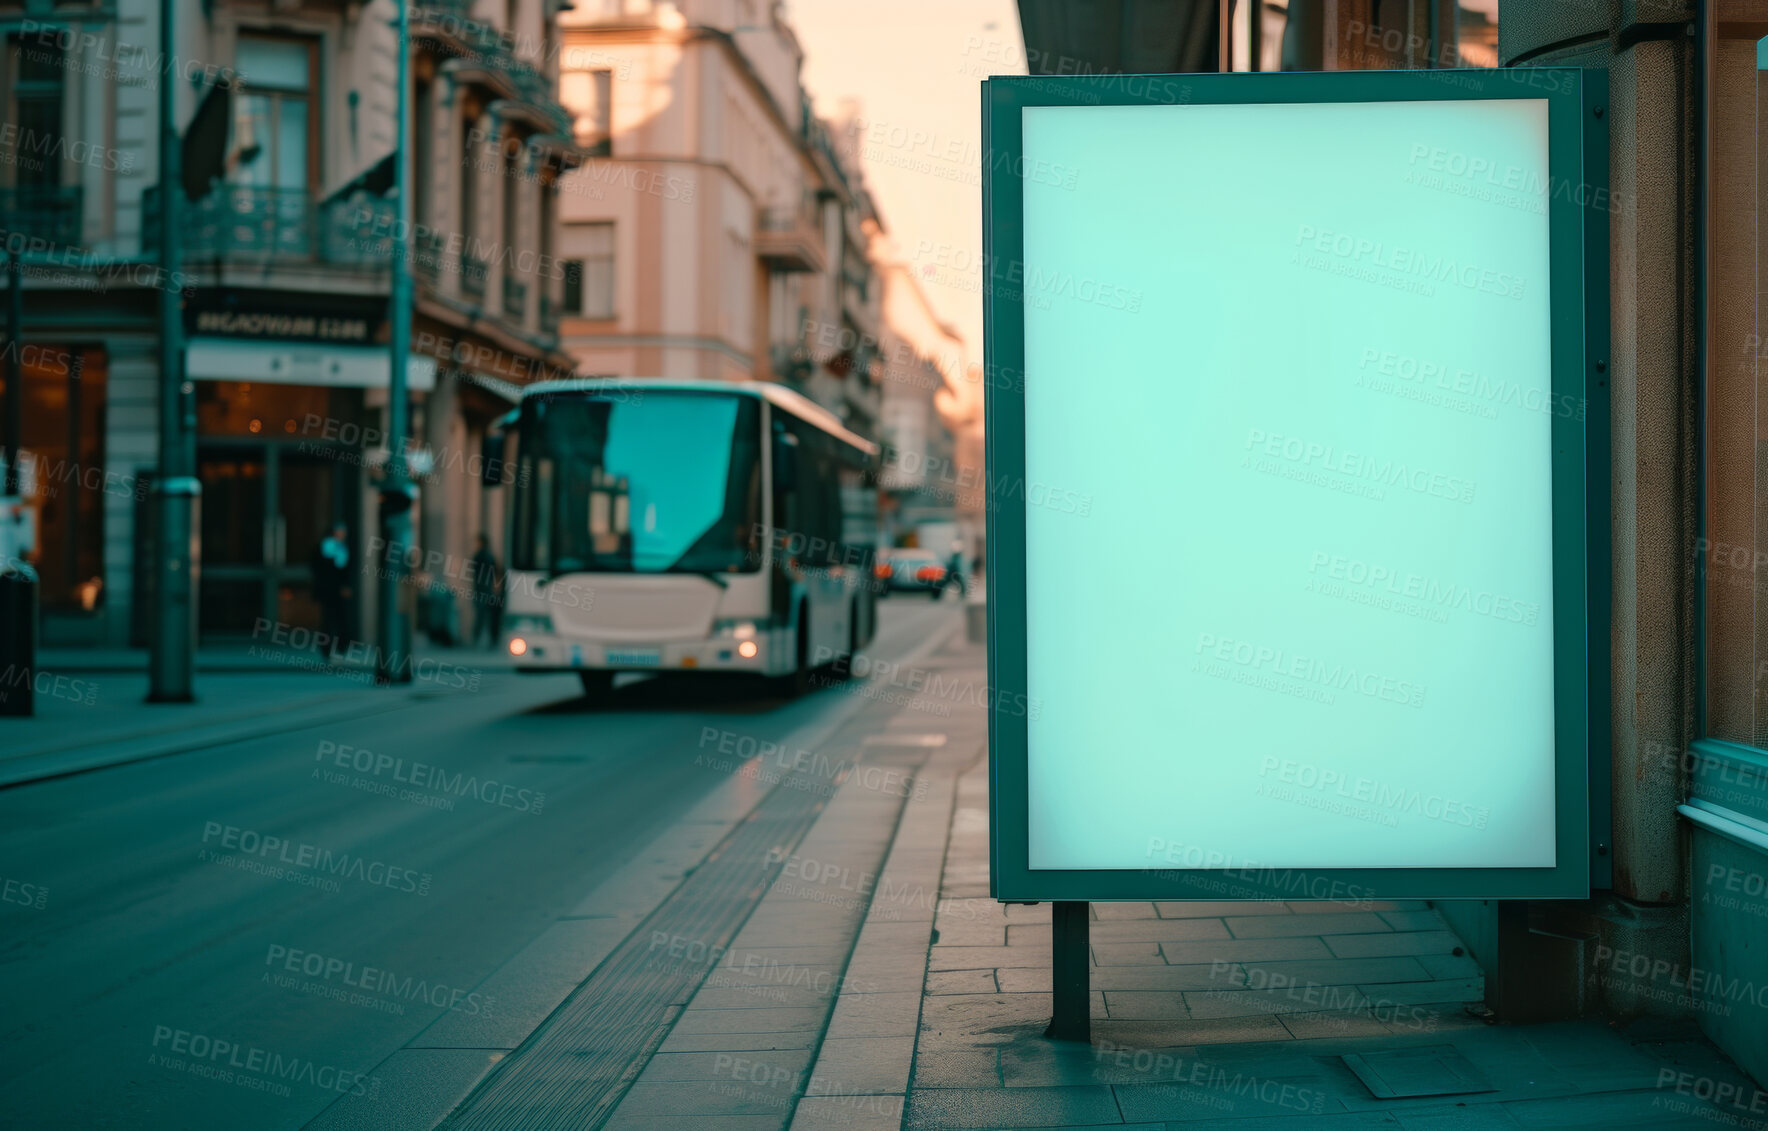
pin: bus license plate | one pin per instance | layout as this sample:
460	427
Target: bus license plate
635	658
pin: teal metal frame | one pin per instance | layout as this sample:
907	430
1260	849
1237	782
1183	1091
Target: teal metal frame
1577	100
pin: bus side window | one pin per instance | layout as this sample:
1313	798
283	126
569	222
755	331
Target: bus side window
787	483
828	499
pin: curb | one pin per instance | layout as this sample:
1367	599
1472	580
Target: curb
69	760
897	933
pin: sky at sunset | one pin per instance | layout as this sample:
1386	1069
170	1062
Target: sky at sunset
914	66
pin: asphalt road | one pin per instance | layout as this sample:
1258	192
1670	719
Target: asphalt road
161	933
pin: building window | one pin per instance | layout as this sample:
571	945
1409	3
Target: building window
512	199
423	124
594	284
572	300
590	96
275	132
36	65
469	179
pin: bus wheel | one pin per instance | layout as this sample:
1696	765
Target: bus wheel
598	687
798	683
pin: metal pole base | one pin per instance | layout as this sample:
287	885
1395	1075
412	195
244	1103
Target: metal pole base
18	640
1071	1005
171	668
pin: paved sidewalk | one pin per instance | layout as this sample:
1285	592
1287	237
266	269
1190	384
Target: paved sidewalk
809	1017
1235	1016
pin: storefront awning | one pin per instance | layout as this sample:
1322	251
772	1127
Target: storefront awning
300	363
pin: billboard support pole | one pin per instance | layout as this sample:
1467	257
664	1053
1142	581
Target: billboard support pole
1071	1007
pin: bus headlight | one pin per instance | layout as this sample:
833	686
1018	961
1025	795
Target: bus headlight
736	629
518	646
747	649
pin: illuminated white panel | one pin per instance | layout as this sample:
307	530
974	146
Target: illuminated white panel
1288	485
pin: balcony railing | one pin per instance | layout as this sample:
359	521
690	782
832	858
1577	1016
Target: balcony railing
448	9
515	298
479	47
789	239
472	274
251	222
51	214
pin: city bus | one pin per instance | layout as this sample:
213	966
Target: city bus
695	526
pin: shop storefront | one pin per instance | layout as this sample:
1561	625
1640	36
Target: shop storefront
64	477
289	393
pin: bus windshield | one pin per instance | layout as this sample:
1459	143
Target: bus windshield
664	482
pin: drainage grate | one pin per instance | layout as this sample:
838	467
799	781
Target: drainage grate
1431	1070
573	1070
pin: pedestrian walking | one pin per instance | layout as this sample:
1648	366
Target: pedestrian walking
954	573
331	588
487	594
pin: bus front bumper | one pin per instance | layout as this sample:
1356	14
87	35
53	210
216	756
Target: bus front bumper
541	652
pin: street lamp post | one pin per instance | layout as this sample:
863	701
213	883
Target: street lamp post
393	655
172	666
15	395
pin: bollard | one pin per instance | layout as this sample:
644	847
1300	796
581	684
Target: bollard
18	638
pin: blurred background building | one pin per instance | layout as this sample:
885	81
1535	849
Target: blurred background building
286	245
625	188
719	235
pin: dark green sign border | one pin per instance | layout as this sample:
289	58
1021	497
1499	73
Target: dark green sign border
1578	225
